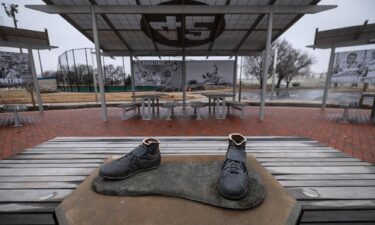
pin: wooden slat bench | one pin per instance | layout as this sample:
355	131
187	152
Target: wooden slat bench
332	187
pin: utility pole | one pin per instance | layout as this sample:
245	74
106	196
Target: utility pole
11	10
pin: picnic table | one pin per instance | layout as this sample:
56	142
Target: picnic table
150	98
15	109
219	99
331	186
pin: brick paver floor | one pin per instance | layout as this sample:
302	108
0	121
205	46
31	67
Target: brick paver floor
357	139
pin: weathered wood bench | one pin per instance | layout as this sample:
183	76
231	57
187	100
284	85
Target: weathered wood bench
15	109
130	106
197	105
238	106
332	187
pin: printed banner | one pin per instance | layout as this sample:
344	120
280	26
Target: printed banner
354	67
216	73
163	75
14	69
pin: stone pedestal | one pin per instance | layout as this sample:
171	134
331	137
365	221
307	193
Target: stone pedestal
84	206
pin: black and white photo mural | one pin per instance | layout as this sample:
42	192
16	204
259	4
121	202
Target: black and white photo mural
200	74
14	69
354	67
160	75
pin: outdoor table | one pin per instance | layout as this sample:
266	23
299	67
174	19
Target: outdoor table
330	185
150	98
15	108
217	97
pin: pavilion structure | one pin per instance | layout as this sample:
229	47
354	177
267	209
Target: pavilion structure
29	39
182	28
341	37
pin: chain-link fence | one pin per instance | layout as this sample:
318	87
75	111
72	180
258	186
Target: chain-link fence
77	72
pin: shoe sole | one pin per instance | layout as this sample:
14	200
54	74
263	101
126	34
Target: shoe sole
122	178
232	197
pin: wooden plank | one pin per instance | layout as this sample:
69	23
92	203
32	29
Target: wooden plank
340	193
337	204
122	150
46	172
257	155
29	219
339	216
27	207
42	179
42	195
318	159
174	138
57	165
180	144
38	185
277	164
340	223
52	161
326	177
322	170
328	183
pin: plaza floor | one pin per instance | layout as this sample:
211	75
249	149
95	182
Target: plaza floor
356	138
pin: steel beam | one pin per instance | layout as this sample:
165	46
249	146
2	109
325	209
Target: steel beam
183	83
265	66
35	79
182	9
235	77
248	52
99	67
328	78
132	77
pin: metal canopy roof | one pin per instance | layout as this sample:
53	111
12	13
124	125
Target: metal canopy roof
345	37
142	27
22	38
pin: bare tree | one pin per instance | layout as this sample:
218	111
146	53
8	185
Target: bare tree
291	63
253	66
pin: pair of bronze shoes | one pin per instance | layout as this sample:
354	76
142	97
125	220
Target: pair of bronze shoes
232	182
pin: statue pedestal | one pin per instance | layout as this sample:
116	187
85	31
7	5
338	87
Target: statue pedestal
84	206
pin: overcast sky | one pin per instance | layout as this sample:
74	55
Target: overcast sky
62	34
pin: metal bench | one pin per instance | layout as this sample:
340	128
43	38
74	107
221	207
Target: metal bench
15	108
130	106
346	105
237	105
197	105
170	108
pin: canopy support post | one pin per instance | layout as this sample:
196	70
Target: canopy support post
35	79
328	77
99	64
274	73
240	85
235	77
94	76
132	77
183	83
265	66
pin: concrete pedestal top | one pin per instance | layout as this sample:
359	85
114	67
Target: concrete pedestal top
84	206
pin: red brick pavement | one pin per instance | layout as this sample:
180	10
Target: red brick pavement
357	139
